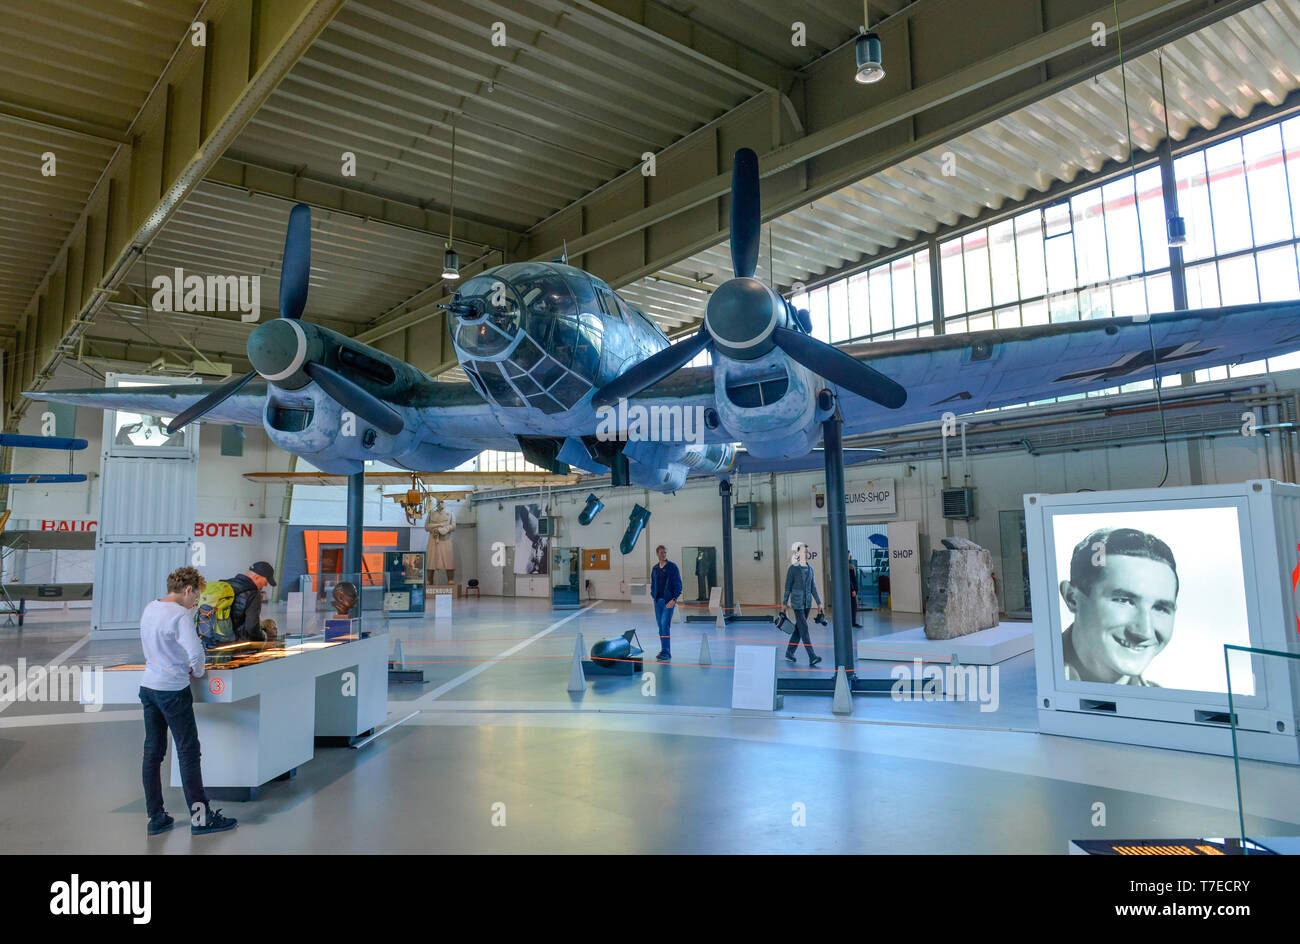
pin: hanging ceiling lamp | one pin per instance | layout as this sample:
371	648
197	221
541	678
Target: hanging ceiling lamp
451	261
867	51
1175	226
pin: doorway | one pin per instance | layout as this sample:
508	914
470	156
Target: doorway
869	554
1015	564
508	574
699	572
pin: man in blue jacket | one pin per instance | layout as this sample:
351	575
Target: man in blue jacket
665	588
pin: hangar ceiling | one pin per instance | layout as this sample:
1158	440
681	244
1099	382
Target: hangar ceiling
171	155
1223	70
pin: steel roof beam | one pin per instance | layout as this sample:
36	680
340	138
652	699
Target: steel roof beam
912	116
204	97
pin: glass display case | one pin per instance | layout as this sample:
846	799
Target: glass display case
1266	800
404	594
699	569
565	582
240	655
342	606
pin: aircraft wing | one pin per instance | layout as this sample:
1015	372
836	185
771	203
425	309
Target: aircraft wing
454	410
965	373
245	407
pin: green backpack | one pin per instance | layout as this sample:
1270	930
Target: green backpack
214	625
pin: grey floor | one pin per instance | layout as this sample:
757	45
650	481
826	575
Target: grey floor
497	736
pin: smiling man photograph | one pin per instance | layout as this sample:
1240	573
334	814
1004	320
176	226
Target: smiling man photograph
1122	593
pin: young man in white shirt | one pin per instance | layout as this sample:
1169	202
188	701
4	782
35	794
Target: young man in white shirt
172	656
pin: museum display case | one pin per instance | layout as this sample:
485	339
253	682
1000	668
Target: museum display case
1259	819
332	606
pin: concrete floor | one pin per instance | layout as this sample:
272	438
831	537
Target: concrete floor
616	770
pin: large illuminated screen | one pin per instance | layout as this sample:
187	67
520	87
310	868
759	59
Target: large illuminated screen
1149	598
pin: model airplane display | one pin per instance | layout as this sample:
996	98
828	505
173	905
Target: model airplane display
560	368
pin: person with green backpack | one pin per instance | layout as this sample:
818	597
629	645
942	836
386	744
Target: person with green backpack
212	619
246	607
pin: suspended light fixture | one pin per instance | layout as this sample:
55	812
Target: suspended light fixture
451	261
867	51
1175	226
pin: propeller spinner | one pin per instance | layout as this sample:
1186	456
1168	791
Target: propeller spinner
283	350
745	318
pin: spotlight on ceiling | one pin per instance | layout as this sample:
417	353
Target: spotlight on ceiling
450	264
1177	231
870	65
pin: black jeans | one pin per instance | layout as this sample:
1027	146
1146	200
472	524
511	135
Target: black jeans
800	632
174	710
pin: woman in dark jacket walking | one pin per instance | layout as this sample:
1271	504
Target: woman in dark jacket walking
801	594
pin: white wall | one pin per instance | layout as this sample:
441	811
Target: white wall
692	517
689	518
224	497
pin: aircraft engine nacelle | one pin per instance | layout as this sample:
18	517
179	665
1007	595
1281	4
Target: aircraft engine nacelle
312	425
769	404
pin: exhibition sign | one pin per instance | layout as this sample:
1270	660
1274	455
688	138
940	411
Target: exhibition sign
904	566
210	529
863	498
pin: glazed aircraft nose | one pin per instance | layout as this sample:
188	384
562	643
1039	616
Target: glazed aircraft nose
277	349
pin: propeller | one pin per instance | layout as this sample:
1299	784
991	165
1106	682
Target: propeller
652	370
296	264
745	319
839	368
746	214
278	353
360	401
212	400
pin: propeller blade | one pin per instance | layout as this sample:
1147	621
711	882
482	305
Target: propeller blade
361	402
746	213
839	368
216	397
651	370
296	265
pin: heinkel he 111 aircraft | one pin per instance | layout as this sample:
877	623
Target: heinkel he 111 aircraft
558	363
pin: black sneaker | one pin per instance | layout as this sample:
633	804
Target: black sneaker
789	657
216	824
160	825
664	656
814	660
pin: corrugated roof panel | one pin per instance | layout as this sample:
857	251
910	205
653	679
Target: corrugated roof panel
1225	69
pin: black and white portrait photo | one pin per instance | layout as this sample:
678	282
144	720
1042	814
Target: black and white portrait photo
1149	598
530	547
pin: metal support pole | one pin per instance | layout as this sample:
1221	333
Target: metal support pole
838	529
1169	186
286	508
728	586
356	522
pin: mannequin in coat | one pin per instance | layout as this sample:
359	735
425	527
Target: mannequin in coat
438	554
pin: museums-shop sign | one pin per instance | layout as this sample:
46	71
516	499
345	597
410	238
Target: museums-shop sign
863	498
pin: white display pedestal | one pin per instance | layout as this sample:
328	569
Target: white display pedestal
986	647
259	722
753	680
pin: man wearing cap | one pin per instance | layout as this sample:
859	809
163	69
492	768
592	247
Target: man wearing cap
246	610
